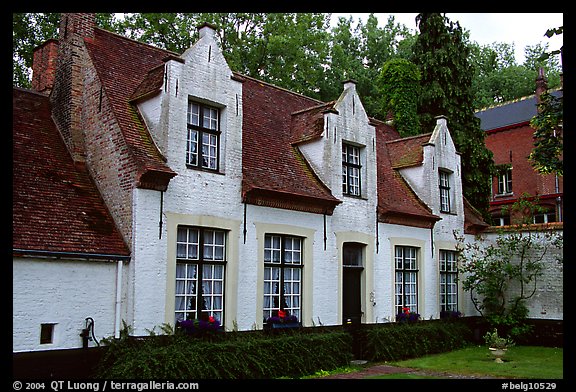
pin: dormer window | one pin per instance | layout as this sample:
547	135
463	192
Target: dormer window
351	170
444	184
203	140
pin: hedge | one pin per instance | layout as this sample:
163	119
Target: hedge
248	357
396	341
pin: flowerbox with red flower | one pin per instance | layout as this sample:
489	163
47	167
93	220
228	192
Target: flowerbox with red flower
282	319
406	316
197	326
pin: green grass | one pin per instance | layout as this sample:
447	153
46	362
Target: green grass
519	362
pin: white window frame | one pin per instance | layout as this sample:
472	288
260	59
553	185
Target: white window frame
200	256
351	169
203	136
283	268
444	186
448	280
406	278
504	182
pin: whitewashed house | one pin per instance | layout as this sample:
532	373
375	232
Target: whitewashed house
217	194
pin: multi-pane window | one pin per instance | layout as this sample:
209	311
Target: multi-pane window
200	262
203	138
501	220
505	181
351	169
444	179
545	216
448	281
406	268
282	275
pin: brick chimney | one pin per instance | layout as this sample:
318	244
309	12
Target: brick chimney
44	66
66	96
541	85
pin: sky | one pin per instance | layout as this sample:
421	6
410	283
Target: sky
520	29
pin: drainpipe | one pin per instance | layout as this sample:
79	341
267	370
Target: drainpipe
118	304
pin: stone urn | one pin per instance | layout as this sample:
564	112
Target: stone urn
498	353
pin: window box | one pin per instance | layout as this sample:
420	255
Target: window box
269	326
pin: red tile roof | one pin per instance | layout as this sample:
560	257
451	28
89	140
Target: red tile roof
122	66
55	206
407	151
275	174
397	202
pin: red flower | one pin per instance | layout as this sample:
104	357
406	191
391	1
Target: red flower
211	319
281	313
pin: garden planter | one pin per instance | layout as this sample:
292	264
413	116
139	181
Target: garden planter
282	325
498	353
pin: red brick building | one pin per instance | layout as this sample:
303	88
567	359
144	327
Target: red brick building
510	138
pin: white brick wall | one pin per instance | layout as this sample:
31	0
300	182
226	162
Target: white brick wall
63	292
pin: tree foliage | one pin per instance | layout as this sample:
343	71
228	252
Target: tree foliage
547	155
502	275
399	84
442	56
298	51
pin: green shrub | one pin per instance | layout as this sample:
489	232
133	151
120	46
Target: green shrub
394	341
231	356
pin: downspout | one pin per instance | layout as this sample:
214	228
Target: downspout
558	199
118	304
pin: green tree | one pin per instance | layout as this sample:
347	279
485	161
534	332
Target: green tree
502	275
547	154
399	86
29	30
446	89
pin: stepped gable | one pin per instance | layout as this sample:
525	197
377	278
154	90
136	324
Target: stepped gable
275	174
397	202
56	208
122	65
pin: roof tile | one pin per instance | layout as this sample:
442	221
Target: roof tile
56	207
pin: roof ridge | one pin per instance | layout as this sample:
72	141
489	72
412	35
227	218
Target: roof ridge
320	102
137	42
524	98
421	135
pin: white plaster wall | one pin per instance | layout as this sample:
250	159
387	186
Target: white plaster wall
391	235
320	275
63	292
548	300
193	195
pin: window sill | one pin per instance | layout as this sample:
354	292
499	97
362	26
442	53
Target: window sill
449	213
354	196
203	169
498	195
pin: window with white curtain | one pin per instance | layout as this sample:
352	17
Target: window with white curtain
202	144
351	167
448	280
200	263
406	267
282	275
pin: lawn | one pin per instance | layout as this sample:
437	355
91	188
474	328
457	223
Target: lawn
519	362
